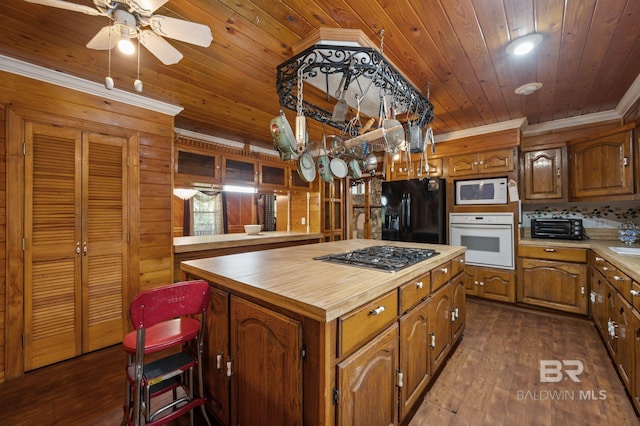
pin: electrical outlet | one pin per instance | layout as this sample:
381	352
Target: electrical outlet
303	220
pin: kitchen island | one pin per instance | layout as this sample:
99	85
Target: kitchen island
304	341
202	246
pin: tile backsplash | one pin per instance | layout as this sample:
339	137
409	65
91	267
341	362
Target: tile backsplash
594	215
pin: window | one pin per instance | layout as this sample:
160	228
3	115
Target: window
207	214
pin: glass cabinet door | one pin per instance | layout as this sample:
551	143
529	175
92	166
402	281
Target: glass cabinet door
240	171
193	167
273	176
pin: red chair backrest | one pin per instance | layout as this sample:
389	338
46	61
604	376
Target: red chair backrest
160	304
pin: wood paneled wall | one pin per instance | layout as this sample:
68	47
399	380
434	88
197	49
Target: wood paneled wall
3	233
150	136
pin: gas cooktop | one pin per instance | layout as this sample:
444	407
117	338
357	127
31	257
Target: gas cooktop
384	258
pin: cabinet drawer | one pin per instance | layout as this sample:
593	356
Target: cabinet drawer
440	275
360	325
599	263
414	291
566	254
635	295
620	281
457	265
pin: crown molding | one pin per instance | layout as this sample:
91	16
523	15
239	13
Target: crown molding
629	98
566	123
36	72
481	130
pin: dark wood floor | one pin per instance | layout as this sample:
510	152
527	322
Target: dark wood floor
491	379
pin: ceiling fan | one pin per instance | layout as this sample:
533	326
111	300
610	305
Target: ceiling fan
131	19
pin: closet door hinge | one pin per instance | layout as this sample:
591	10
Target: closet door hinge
24	244
303	352
24	340
24	149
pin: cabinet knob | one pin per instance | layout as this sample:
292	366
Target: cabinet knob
419	284
475	282
481	282
453	316
78	248
377	311
617	278
550	250
461	260
444	270
604	268
635	293
599	259
433	340
582	290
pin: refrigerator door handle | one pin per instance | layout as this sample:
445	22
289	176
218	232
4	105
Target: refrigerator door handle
407	222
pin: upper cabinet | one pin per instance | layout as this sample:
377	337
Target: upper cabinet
193	167
273	176
543	174
239	170
602	166
415	168
496	161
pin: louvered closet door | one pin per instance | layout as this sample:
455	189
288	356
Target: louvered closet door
104	234
75	234
52	292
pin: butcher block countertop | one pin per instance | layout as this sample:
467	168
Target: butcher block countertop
290	278
221	241
629	264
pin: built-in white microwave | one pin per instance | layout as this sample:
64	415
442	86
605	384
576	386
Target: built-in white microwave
481	191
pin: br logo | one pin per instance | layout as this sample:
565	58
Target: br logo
553	370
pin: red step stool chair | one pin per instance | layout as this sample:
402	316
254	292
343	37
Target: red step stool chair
165	317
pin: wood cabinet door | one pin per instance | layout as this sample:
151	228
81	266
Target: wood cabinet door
266	380
635	388
216	355
273	176
440	327
367	383
462	165
602	166
609	312
414	355
458	308
598	310
543	174
557	285
496	285
496	161
625	334
470	280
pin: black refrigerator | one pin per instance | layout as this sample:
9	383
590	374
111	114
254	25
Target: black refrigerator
414	210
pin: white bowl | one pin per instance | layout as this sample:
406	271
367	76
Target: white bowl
252	229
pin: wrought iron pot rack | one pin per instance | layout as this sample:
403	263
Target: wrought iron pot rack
368	75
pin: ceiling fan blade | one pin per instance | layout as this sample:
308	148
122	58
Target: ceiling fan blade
102	41
178	29
67	5
160	47
145	7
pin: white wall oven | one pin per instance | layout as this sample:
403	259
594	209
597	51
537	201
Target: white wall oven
487	236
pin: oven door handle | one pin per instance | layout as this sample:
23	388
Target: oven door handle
481	226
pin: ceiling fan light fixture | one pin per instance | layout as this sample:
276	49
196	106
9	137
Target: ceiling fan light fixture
523	45
125	45
527	89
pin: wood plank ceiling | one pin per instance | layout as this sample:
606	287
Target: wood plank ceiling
589	58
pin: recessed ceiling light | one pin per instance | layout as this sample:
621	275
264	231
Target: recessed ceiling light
527	89
524	45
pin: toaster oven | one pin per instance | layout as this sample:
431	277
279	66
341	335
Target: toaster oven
565	229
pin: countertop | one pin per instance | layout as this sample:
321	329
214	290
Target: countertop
209	242
289	277
629	264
